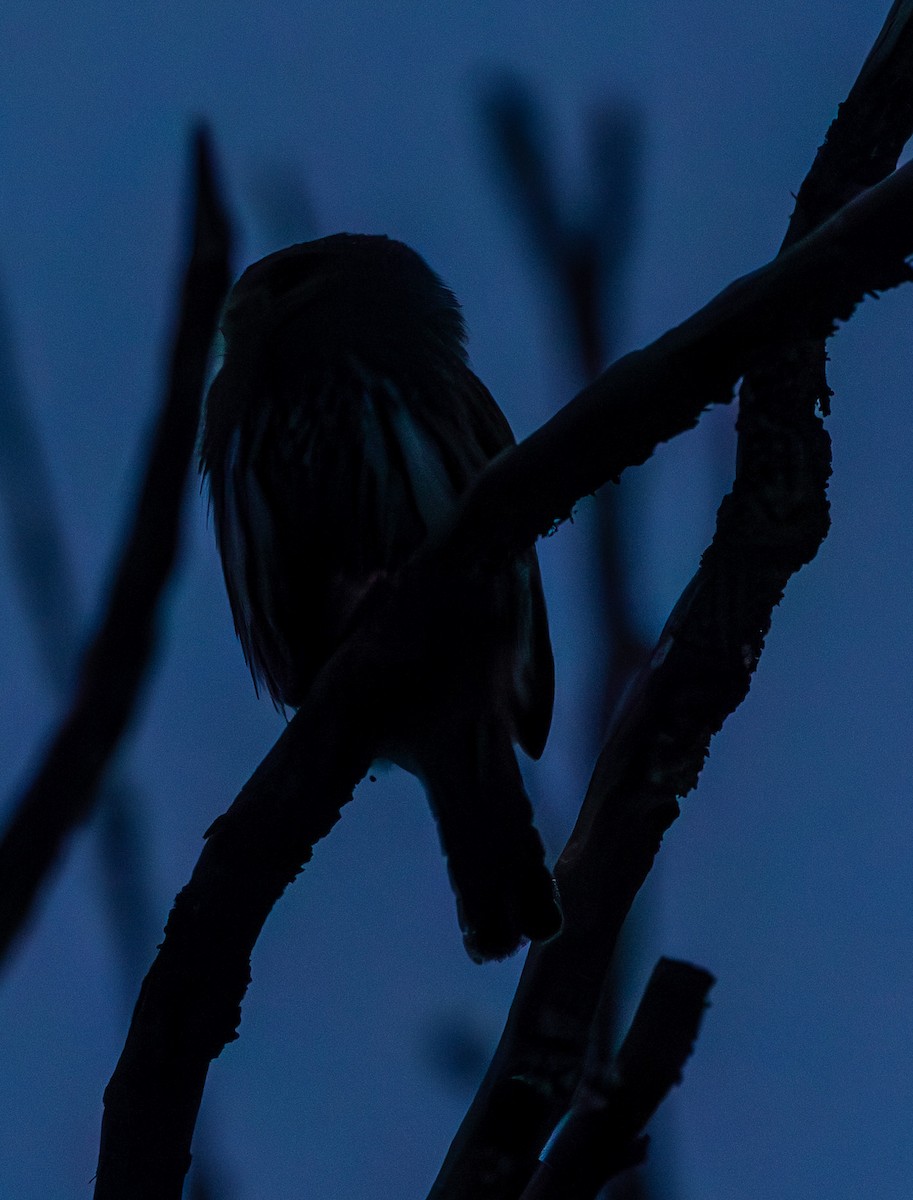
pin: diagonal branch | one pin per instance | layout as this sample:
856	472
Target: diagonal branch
654	394
112	673
770	525
189	1005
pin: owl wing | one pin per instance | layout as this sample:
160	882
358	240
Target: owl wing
470	431
320	487
250	535
334	477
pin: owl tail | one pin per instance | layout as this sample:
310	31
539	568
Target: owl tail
505	893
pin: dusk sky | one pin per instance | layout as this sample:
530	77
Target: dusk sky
788	875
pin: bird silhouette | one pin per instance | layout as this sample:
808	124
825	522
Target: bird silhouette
339	433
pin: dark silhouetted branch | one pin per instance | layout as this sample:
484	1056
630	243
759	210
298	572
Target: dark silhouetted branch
602	1132
864	142
110	678
771	524
654	394
417	627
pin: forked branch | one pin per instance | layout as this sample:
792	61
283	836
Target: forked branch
189	1005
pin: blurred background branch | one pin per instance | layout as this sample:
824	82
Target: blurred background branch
42	570
190	1002
583	261
582	253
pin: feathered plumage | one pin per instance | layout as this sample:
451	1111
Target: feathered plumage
341	429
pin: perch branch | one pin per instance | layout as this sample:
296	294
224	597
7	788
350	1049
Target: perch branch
189	1005
772	523
650	396
114	667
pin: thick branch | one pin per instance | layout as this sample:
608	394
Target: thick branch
190	1002
865	139
771	524
61	794
654	394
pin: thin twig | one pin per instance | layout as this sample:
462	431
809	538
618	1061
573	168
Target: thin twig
42	568
116	661
602	1133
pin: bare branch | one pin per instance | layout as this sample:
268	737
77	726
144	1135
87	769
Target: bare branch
772	523
190	1002
514	122
61	794
871	128
602	1133
654	394
582	259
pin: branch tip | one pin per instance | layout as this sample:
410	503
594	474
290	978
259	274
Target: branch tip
211	226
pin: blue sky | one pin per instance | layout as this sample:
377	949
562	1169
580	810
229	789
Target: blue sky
788	873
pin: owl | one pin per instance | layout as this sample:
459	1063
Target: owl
339	433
